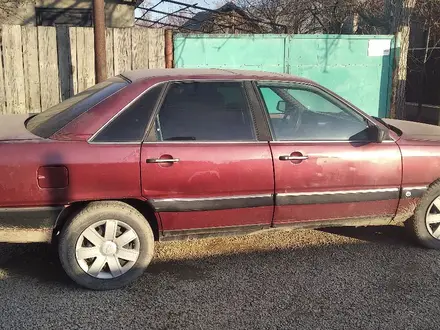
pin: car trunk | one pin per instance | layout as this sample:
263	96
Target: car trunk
12	128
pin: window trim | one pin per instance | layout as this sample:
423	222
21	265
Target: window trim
242	82
262	127
255	96
127	83
290	84
120	112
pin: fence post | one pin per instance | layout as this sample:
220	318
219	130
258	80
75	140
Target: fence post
169	49
99	30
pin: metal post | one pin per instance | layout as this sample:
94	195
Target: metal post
168	49
99	30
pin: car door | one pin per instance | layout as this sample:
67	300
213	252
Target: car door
203	164
327	166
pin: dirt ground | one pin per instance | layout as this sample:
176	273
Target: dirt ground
342	278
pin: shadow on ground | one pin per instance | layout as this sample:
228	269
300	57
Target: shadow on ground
40	261
375	234
331	278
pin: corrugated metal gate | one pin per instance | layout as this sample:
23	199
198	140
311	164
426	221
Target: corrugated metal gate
357	67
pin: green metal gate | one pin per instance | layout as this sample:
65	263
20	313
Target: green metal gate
357	67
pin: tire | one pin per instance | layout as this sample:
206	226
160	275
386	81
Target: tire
106	218
418	223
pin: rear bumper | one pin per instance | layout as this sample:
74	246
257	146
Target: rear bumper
28	224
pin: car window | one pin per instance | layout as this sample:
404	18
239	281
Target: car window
205	111
55	118
306	113
131	123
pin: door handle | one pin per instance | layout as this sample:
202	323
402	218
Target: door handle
162	160
294	157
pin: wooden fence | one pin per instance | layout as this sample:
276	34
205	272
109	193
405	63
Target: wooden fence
41	66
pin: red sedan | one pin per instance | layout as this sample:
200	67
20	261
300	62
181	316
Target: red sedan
171	154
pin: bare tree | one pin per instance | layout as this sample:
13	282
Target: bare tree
292	13
295	14
333	16
143	13
426	18
374	16
8	8
305	16
173	16
179	16
402	11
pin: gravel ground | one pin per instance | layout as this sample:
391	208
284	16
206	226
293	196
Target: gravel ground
342	278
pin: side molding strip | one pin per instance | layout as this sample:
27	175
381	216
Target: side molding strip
212	203
223	203
413	192
347	196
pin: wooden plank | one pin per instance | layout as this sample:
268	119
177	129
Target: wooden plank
64	62
139	48
122	50
47	53
80	58
13	69
156	52
109	52
31	69
85	58
89	68
74	60
2	86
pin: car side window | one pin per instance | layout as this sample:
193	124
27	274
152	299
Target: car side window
306	113
205	111
131	123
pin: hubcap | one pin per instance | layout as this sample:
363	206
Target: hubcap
432	218
107	249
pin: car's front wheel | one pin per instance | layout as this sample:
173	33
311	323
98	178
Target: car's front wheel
425	224
106	246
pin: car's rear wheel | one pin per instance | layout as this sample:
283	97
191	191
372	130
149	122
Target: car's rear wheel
106	246
425	224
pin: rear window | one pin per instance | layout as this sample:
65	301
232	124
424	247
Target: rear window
55	118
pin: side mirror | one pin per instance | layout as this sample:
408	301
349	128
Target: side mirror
281	106
377	134
381	135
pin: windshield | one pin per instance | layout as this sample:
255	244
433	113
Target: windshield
55	118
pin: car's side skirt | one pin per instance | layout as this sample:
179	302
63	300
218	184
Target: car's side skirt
173	235
28	224
30	217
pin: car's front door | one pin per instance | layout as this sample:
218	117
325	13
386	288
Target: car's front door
326	165
202	164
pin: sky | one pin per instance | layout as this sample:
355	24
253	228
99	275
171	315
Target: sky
168	7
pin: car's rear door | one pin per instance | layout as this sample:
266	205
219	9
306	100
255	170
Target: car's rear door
203	164
326	165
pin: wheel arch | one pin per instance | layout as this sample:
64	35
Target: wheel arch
144	207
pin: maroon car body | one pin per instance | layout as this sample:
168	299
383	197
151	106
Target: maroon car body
216	186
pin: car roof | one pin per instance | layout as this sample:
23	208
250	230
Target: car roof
172	74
